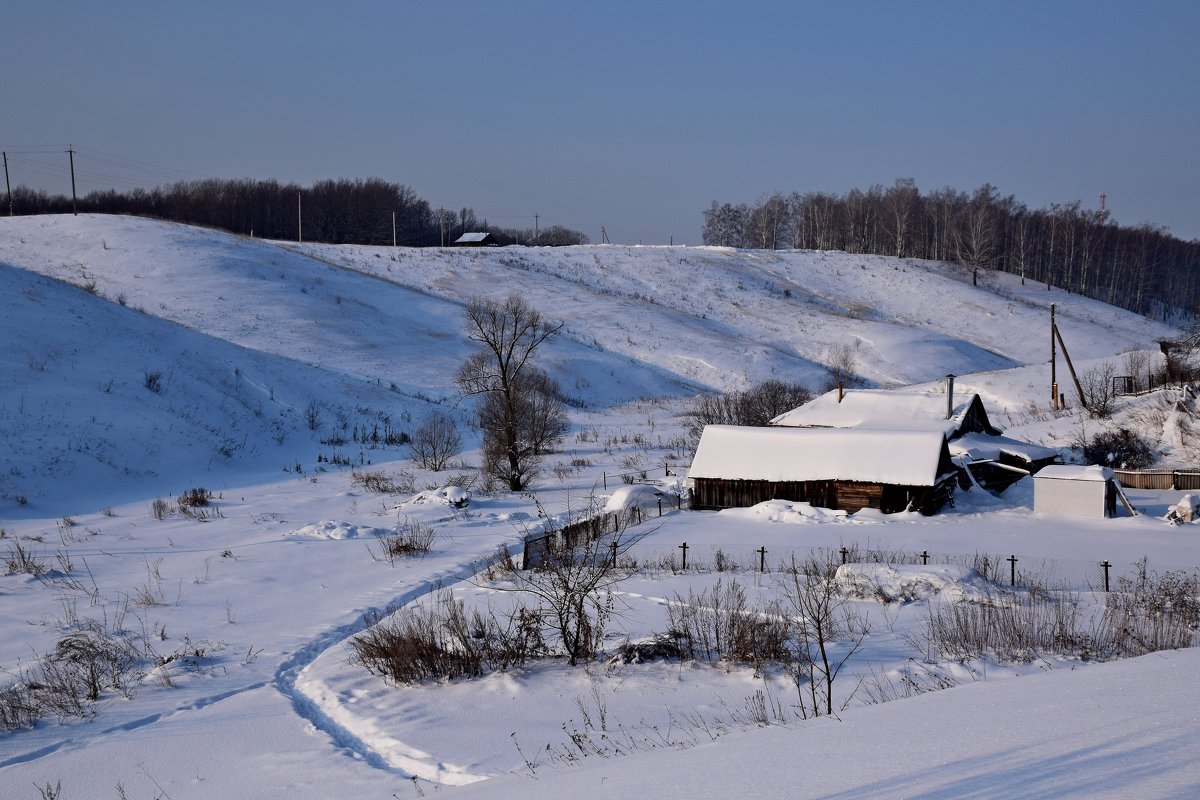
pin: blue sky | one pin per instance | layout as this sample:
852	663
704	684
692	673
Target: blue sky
633	116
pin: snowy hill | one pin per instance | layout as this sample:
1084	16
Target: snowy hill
246	336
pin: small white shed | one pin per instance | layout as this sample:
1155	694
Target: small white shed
1075	491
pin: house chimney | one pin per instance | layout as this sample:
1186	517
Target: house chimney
841	391
950	395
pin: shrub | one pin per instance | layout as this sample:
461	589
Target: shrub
411	538
152	380
380	482
24	561
194	498
756	406
445	642
436	442
1118	448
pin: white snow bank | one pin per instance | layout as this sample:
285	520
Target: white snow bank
1113	730
641	495
789	512
904	582
331	529
1075	472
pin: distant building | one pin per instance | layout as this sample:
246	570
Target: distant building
478	239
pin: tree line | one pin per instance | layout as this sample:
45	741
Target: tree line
1141	268
341	211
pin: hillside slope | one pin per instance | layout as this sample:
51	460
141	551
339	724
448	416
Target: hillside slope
247	337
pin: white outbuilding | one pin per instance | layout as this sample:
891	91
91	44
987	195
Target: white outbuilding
1076	491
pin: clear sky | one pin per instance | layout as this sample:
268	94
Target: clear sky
630	115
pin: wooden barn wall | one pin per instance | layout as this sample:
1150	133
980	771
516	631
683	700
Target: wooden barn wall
850	496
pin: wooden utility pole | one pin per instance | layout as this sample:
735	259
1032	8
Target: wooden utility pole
535	229
299	221
7	185
393	229
1053	378
604	236
442	224
71	154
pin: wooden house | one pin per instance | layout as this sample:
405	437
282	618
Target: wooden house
993	460
846	469
477	239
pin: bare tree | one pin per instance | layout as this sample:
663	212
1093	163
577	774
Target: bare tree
435	442
510	388
822	619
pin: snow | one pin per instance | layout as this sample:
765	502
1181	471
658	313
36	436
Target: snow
1074	472
271	579
638	495
891	410
906	458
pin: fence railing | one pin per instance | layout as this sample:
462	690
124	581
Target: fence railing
1183	480
1003	569
537	548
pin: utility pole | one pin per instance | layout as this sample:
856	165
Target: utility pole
604	236
1053	378
535	228
299	221
71	153
7	185
393	229
442	224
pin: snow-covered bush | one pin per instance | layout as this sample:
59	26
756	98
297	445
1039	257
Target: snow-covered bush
1120	448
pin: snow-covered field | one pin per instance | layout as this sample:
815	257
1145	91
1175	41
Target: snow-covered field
267	354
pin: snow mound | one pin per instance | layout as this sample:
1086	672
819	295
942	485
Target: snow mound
330	529
891	583
789	512
639	494
453	496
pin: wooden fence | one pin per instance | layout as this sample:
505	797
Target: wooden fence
585	531
1183	480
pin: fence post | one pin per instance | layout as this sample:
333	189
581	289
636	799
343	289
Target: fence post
614	553
762	558
844	553
925	557
1106	565
683	547
678	502
660	506
1012	564
604	477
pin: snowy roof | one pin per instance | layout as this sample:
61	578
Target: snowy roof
880	409
471	237
1075	472
982	447
906	458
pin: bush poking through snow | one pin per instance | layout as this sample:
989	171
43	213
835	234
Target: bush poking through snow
717	624
23	561
412	538
446	642
380	482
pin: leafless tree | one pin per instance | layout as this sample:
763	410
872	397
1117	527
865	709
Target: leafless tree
435	442
512	392
822	619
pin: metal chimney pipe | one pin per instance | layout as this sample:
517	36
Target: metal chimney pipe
950	395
